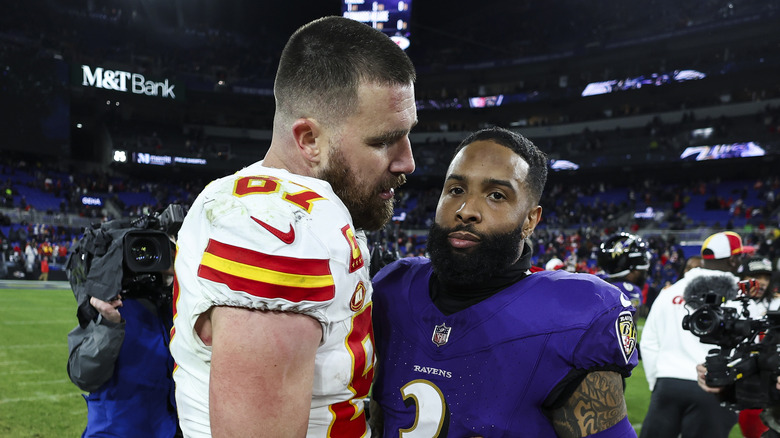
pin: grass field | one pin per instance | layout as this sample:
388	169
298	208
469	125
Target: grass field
36	397
38	400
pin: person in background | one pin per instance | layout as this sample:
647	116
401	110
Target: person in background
121	358
30	254
692	262
678	406
625	259
473	342
273	334
44	269
760	270
554	264
761	301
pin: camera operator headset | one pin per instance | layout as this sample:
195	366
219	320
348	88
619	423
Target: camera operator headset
121	274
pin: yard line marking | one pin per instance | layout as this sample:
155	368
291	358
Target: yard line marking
30	284
43	382
55	397
30	346
11	310
9	373
36	322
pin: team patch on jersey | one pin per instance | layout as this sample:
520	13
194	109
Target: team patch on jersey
441	334
626	334
356	303
355	256
267	275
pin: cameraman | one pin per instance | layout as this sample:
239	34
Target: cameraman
670	354
119	351
761	301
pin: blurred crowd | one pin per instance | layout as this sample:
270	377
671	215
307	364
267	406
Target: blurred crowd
576	218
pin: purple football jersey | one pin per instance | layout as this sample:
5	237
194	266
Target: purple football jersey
632	291
487	370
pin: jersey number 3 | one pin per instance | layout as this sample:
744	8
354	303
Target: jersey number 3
432	417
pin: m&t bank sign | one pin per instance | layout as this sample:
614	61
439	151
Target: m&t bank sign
126	82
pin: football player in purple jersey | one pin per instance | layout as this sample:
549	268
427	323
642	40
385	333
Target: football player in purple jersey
625	259
472	343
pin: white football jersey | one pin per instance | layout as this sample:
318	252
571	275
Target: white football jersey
268	239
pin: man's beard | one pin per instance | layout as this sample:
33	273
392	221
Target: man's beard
369	211
494	254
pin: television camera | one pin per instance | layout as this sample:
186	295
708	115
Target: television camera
124	256
747	363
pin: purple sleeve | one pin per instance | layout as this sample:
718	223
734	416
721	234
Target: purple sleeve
609	343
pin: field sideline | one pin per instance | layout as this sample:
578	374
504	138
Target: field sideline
38	400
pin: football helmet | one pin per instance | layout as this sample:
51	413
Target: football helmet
621	253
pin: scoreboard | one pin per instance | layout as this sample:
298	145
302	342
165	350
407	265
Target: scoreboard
389	16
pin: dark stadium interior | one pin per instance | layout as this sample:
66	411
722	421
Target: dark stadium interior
675	75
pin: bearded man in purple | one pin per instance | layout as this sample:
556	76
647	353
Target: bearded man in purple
471	343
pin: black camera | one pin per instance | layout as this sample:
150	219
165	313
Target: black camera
717	325
747	363
124	256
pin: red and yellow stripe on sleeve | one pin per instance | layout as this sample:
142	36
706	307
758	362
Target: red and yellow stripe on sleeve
265	275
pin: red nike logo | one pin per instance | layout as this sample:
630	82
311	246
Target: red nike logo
287	237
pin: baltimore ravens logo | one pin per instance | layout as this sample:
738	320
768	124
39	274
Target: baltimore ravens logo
441	334
618	250
626	334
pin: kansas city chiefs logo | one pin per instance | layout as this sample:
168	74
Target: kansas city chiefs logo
356	303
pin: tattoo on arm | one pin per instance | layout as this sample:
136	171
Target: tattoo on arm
596	405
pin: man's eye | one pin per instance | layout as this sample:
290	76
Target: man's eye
456	190
497	196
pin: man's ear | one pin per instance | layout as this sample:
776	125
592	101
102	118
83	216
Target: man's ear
533	219
306	131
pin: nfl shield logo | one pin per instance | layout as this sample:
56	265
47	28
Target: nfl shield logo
441	333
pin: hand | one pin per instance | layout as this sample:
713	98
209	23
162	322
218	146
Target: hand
108	309
701	372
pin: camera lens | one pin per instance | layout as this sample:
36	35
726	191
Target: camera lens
145	252
704	322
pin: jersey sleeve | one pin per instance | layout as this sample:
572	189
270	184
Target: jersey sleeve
263	253
610	342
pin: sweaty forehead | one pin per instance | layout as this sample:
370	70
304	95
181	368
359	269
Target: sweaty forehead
487	159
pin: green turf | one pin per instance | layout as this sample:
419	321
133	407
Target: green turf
36	397
38	400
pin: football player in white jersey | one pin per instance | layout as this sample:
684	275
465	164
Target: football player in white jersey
272	332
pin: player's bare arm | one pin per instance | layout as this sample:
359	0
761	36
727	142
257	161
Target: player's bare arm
596	405
262	369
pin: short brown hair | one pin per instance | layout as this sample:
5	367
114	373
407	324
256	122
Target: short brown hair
326	60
